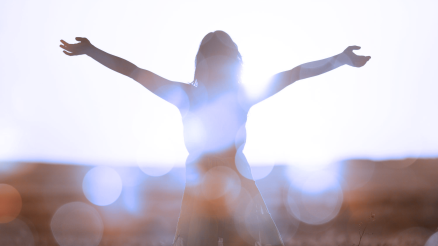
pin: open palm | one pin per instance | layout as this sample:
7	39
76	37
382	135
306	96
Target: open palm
80	48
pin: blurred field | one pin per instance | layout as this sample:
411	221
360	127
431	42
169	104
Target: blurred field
403	199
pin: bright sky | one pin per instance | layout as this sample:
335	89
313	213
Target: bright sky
64	109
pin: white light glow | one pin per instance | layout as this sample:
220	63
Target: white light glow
72	110
314	178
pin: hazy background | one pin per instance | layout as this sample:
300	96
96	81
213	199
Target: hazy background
327	152
55	108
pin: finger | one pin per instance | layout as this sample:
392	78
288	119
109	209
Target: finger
354	47
364	61
68	53
81	39
65	43
66	48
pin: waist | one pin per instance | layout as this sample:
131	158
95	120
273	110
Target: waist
229	153
207	160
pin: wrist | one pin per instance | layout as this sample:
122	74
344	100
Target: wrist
90	50
342	59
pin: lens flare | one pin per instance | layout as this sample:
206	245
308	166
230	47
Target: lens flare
77	223
10	203
102	185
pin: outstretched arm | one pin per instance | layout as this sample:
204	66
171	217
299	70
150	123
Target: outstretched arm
156	84
311	69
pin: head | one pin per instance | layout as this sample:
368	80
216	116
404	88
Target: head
218	58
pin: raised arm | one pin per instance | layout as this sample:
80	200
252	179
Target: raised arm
156	84
281	80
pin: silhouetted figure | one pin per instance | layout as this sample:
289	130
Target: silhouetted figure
221	203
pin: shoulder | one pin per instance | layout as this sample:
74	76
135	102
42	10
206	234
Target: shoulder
176	93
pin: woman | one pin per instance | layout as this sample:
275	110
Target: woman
221	203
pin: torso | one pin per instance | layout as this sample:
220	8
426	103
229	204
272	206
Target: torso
214	124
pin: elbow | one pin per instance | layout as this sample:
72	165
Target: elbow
294	75
131	72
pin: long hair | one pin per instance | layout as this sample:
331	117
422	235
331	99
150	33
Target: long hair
218	43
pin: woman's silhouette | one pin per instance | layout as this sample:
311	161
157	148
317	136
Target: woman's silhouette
221	203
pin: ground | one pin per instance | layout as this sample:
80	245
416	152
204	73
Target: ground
403	202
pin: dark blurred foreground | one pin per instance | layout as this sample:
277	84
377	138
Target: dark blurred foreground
403	199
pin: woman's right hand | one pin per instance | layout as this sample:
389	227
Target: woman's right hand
80	48
353	59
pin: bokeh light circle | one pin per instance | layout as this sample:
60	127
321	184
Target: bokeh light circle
16	232
433	240
77	223
325	176
261	165
242	165
317	201
102	185
10	203
261	171
156	170
320	182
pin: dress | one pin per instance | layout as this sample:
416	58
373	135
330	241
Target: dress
221	204
222	207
